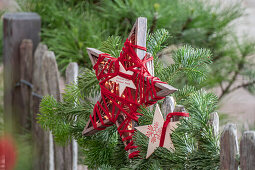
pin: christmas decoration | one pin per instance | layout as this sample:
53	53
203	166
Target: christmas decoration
126	83
102	150
159	131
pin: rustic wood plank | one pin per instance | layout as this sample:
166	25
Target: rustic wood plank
72	149
40	137
46	82
168	106
52	83
138	35
26	70
93	55
16	27
229	148
215	123
247	151
72	73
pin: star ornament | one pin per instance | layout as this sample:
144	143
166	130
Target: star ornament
154	131
126	83
123	82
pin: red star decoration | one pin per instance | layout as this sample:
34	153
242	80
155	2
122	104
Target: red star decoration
119	100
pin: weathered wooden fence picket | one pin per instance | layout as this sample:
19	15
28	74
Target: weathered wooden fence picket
30	72
231	157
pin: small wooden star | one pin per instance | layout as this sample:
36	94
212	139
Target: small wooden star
154	132
123	82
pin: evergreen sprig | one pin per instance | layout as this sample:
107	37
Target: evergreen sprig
63	118
88	83
156	40
112	45
190	66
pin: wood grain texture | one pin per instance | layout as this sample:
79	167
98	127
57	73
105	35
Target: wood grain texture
93	55
215	123
51	81
229	148
72	149
138	35
26	70
49	155
168	106
40	137
247	151
16	27
72	73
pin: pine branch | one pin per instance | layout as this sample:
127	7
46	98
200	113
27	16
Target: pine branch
244	85
88	83
190	63
245	50
155	41
112	46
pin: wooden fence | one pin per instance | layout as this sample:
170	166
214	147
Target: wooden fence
30	72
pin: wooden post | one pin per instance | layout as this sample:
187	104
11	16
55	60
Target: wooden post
71	77
247	151
229	148
26	70
16	27
214	122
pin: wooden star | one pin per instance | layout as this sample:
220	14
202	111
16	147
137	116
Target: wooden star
123	82
136	37
154	130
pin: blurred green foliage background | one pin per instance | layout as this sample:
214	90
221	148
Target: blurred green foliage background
70	26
